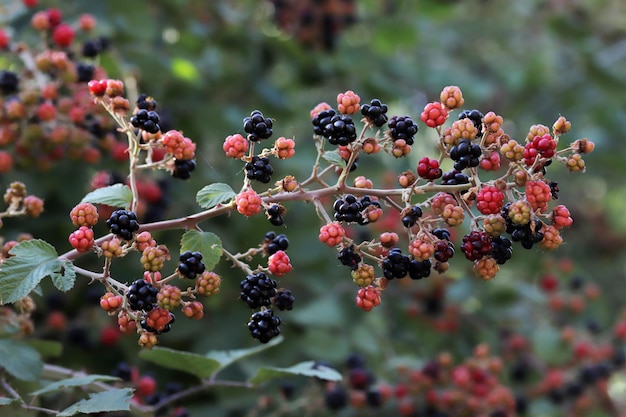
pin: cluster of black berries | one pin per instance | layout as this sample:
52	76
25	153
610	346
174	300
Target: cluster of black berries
527	234
257	290
476	117
349	209
275	214
419	269
283	300
375	112
402	127
273	242
259	169
92	47
338	129
411	215
190	264
257	126
264	325
395	265
501	249
465	154
476	245
454	177
183	168
444	248
141	295
146	120
84	72
123	223
145	102
349	257
144	325
9	82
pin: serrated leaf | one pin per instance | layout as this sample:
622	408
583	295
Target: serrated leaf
113	400
207	243
227	357
6	401
334	158
308	368
188	362
20	360
73	382
32	261
116	195
214	194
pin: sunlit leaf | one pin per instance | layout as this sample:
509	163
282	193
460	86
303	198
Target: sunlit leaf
310	369
214	194
116	195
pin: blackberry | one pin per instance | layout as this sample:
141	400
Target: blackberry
355	360
554	189
374	398
257	126
441	233
84	72
146	102
338	129
259	169
183	168
91	48
375	112
273	242
264	325
142	295
348	209
528	234
619	358
573	389
396	265
502	249
9	82
454	177
123	223
419	269
465	155
411	215
556	395
476	117
348	257
336	398
123	371
275	213
476	245
402	127
190	264
283	300
576	282
257	290
146	120
144	325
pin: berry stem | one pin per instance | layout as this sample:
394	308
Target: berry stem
237	263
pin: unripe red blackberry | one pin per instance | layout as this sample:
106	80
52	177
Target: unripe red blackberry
141	295
257	126
429	169
264	325
208	283
368	297
84	214
283	300
123	223
190	264
157	321
257	290
489	200
375	112
279	263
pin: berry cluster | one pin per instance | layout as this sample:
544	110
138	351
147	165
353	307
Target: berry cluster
264	325
257	290
402	127
142	295
259	169
375	112
338	129
257	126
123	223
273	242
146	120
190	264
465	155
349	209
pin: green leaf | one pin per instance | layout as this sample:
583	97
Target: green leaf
184	69
116	195
6	401
46	348
20	360
308	368
32	261
191	363
207	243
214	194
334	158
113	400
227	357
73	382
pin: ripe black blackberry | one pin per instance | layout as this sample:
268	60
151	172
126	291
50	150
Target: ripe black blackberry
257	126
527	234
257	290
395	265
402	127
146	102
273	242
123	223
259	169
264	325
411	215
141	295
476	117
183	168
123	371
283	300
419	269
465	154
9	82
275	214
190	264
146	120
91	48
502	249
336	398
476	245
441	233
348	257
338	129
348	209
375	112
84	72
144	325
444	250
454	177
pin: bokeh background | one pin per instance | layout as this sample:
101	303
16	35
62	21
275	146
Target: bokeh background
210	63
